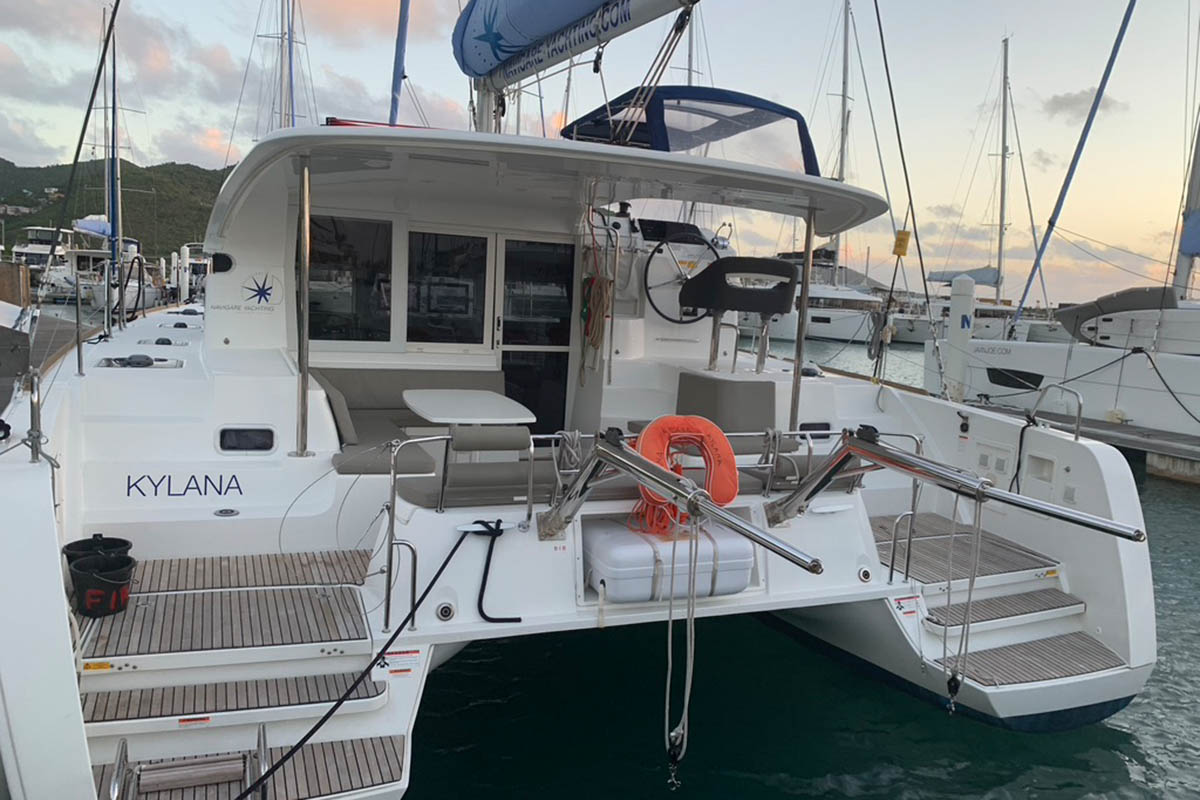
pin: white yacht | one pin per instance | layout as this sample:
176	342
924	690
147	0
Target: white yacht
836	313
324	509
35	250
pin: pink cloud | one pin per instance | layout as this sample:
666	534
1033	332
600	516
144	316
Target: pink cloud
196	144
351	21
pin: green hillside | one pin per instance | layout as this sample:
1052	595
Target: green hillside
165	205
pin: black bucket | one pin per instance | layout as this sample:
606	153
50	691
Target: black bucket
102	584
97	545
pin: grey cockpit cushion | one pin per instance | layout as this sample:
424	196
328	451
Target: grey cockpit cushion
337	404
371	456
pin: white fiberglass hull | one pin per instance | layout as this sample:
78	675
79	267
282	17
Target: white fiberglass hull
1116	385
825	323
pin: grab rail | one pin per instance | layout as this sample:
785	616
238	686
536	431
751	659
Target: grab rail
865	444
1078	404
392	542
120	766
611	451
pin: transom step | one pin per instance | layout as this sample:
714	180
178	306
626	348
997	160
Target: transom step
1047	659
323	568
197	704
214	620
318	770
1005	607
934	547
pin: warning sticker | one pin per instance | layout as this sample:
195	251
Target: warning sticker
906	606
95	666
402	662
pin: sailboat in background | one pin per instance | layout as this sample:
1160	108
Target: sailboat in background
993	316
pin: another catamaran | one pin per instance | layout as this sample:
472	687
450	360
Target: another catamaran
327	504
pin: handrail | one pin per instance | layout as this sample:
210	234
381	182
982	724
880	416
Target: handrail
412	590
120	766
1078	404
262	759
910	514
865	444
396	445
611	451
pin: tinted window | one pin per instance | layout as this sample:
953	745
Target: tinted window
247	439
350	279
447	288
537	293
656	230
538	381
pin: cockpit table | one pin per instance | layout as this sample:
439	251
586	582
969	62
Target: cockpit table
466	407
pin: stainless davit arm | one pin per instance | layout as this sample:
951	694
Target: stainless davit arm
610	451
865	444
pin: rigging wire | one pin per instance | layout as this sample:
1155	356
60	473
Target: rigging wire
826	57
962	210
887	194
1133	253
912	212
1103	260
1012	110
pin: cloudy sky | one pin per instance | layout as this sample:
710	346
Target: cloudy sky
182	66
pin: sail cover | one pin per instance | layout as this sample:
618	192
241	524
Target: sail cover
689	117
94	225
489	32
505	41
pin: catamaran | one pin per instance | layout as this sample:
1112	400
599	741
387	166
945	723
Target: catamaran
494	434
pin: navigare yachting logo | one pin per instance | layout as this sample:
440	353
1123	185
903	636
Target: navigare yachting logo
260	290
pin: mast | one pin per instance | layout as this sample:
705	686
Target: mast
116	223
1003	170
108	205
104	83
284	65
1189	239
843	134
398	62
691	51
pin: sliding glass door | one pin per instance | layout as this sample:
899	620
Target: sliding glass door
534	326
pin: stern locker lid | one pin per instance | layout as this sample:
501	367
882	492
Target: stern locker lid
636	567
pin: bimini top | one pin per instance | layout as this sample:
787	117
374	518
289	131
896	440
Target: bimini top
384	165
686	118
1137	298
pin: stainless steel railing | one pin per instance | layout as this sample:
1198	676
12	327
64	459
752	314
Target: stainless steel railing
610	451
865	445
1078	404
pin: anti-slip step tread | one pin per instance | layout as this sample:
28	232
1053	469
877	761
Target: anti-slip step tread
1047	659
322	769
320	568
191	621
930	556
214	698
1004	607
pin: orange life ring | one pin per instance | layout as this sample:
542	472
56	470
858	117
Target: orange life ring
662	442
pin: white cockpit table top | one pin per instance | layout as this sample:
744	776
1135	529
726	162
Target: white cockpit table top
466	407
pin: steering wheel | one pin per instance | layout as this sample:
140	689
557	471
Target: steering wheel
667	274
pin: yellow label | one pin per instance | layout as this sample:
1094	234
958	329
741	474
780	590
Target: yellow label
900	248
1051	573
92	666
689	265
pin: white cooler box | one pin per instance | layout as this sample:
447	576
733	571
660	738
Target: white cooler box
636	567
